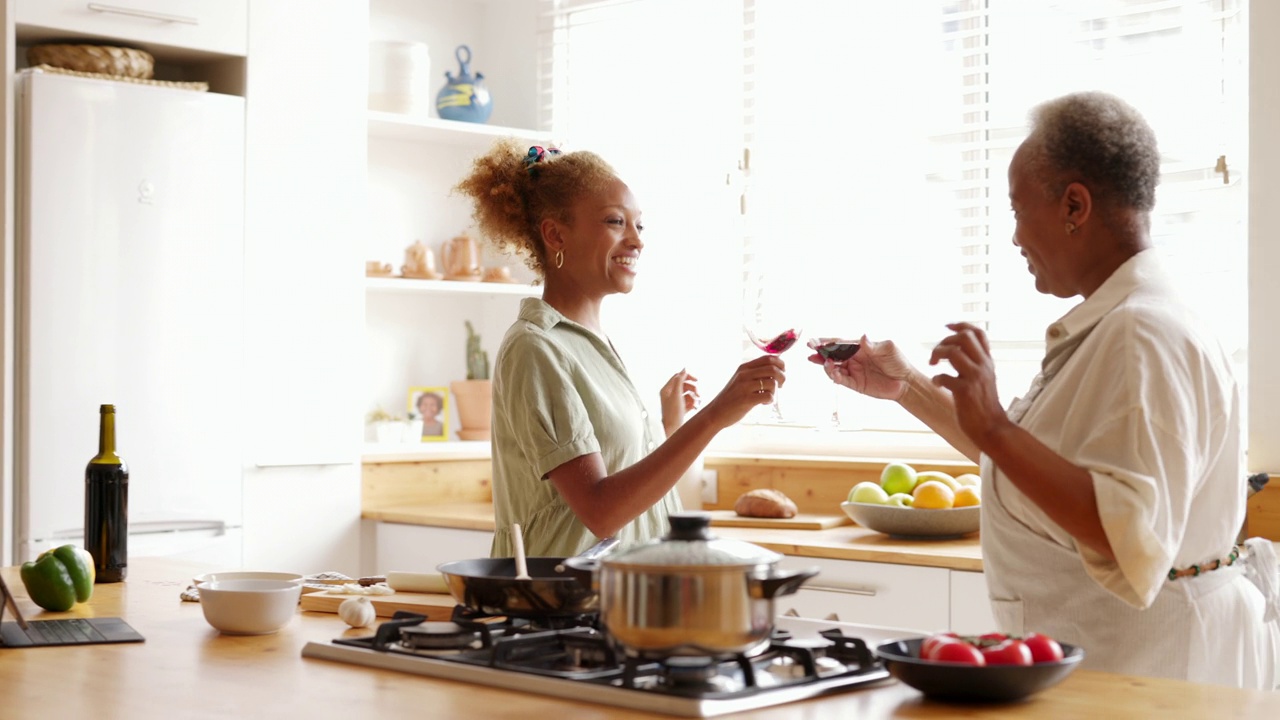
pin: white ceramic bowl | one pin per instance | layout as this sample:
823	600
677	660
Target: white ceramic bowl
914	522
249	607
245	575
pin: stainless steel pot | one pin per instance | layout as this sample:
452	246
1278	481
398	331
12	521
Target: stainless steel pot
689	593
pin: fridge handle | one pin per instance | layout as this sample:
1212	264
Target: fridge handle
217	527
148	14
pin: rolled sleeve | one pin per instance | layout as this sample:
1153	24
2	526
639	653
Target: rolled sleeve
550	424
1143	507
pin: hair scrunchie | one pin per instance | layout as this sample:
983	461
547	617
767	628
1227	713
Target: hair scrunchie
537	154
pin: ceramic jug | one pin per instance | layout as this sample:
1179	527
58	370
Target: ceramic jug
419	262
464	97
460	259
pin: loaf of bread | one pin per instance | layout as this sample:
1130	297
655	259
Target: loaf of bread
765	503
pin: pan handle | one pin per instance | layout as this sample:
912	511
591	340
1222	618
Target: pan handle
780	584
583	569
600	549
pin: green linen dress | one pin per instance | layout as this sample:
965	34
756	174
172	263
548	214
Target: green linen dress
560	392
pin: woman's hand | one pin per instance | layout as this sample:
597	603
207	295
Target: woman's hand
679	396
878	370
973	387
752	384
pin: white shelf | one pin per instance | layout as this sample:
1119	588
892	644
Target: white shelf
395	126
409	452
449	287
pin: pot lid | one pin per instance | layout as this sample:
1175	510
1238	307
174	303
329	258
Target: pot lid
691	544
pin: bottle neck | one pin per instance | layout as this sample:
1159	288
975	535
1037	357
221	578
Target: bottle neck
107	437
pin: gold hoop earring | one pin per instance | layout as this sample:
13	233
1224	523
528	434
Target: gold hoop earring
559	259
1071	228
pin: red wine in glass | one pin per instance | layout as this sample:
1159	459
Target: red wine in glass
775	345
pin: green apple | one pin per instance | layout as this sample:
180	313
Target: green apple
945	479
901	500
898	478
969	479
868	492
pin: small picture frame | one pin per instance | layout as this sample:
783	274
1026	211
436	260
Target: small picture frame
430	404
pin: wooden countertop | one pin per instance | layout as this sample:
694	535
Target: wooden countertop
187	669
847	542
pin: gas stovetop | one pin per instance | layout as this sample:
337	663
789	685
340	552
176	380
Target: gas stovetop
803	659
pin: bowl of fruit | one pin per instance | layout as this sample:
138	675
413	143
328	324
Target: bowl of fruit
917	504
986	668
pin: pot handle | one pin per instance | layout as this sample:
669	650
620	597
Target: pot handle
780	584
582	569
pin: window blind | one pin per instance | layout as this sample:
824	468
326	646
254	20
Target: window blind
842	166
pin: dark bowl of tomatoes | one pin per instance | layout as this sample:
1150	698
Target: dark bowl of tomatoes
989	669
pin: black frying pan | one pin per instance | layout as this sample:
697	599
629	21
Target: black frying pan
489	585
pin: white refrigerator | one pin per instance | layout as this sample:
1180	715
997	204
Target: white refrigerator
130	266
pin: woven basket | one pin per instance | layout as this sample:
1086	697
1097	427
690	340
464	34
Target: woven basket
101	59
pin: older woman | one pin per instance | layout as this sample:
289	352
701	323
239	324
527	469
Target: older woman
1113	490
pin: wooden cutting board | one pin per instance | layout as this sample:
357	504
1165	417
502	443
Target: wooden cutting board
435	606
802	521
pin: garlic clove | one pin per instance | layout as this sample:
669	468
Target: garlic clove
357	612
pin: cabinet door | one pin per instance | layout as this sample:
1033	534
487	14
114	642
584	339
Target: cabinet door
421	548
218	26
305	187
970	604
304	190
900	596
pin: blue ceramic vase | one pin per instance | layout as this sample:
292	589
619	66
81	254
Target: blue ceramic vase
464	97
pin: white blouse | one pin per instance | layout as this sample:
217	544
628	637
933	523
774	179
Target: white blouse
1145	401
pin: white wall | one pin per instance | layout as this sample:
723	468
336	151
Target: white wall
1264	237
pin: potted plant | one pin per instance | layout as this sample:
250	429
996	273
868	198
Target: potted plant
387	428
474	395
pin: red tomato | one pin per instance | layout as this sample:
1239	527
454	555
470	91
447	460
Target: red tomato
992	638
1009	652
959	652
1043	648
932	642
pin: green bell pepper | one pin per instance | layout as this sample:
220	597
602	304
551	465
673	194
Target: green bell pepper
59	578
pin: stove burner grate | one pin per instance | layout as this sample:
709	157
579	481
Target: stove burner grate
785	667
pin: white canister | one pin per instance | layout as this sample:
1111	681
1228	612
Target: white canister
400	77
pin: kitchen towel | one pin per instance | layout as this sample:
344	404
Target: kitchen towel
1261	569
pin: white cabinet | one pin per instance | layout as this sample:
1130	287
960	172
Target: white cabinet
210	26
421	548
921	599
304	202
900	596
970	604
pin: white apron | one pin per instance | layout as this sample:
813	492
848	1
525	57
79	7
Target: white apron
1207	629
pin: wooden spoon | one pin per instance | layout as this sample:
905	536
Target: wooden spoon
522	567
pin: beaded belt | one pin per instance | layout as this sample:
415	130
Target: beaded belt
1196	570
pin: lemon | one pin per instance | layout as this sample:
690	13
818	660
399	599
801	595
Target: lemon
933	495
967	496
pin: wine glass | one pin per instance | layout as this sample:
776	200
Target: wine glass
774	344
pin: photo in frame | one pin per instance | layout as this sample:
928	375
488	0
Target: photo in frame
430	404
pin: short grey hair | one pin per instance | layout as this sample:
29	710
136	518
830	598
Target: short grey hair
1100	140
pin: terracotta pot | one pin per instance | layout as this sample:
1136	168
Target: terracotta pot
474	400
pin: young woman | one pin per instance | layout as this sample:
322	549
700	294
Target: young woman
576	456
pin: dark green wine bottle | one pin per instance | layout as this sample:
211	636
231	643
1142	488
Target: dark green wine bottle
106	504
